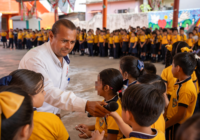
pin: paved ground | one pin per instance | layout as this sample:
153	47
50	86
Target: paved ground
83	73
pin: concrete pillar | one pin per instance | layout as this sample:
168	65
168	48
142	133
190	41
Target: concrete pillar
175	13
105	5
10	23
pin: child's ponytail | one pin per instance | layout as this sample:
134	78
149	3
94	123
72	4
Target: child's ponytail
197	69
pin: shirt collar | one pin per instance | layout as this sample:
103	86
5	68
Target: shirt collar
55	58
181	82
113	99
143	135
126	82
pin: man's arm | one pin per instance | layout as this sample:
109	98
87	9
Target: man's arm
65	100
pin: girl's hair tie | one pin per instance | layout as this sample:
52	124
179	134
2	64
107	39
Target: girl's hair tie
140	65
5	81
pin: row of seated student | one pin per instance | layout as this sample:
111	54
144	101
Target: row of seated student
26	38
147	108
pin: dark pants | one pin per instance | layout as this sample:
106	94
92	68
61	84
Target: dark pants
164	51
19	44
28	44
101	49
96	49
10	42
111	50
24	43
116	50
76	47
15	41
170	132
40	42
197	108
106	49
90	47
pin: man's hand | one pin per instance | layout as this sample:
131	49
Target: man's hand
97	136
96	109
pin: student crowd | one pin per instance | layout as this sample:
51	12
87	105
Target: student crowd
149	106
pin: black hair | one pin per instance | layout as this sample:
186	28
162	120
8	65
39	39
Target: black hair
149	68
113	78
64	22
30	81
23	116
175	29
190	33
154	33
164	30
176	48
182	28
190	129
129	64
144	102
186	61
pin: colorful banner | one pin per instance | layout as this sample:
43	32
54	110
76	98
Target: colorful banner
186	18
63	4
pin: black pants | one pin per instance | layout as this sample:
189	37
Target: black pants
90	47
164	51
106	49
116	50
19	44
96	49
41	42
111	50
15	41
10	42
170	133
24	43
101	49
28	44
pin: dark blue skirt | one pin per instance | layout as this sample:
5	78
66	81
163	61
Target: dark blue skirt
3	39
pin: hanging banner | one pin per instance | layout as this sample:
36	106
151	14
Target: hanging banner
22	8
72	3
62	4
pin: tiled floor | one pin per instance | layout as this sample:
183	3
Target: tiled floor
83	73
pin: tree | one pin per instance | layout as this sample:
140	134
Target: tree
145	7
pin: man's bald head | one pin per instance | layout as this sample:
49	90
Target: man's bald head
66	23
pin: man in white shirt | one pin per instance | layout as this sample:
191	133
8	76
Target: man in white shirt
50	59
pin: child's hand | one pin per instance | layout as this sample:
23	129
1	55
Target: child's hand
114	114
97	136
83	126
85	134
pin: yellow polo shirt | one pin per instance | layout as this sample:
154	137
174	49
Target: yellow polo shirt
3	34
77	36
90	37
96	39
102	38
143	38
116	39
108	124
142	136
110	40
27	36
11	35
126	38
175	38
184	94
40	37
164	39
45	38
48	126
133	39
183	38
159	124
20	36
107	38
199	39
190	42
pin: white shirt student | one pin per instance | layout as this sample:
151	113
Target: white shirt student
48	59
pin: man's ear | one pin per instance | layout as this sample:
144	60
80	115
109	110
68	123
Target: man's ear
51	36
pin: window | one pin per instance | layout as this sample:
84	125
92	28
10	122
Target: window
123	11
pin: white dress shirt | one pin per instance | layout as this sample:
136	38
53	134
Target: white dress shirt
43	60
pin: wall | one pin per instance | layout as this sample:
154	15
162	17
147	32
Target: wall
113	7
116	21
33	24
189	4
186	18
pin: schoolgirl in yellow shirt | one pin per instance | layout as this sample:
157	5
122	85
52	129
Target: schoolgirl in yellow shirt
153	40
182	35
125	44
81	42
40	38
107	41
165	40
133	44
45	37
90	41
20	39
11	38
158	45
33	39
96	41
110	45
175	36
46	125
102	41
143	48
28	40
76	47
116	44
4	39
190	41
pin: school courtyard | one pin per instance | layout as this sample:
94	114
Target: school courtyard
83	74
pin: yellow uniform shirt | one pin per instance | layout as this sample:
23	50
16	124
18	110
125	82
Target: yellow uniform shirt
190	42
168	77
165	39
184	94
159	124
96	39
27	36
90	37
126	38
45	38
77	37
20	36
24	34
85	35
133	39
143	38
108	124
107	38
152	40
110	40
142	136
175	38
80	37
159	38
48	126
33	36
120	38
199	39
3	34
102	38
40	37
116	39
183	38
11	35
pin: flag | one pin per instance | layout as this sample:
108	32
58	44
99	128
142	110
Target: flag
72	3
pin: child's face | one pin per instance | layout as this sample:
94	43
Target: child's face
165	33
102	33
194	32
175	32
111	34
175	70
190	35
99	86
38	99
182	32
158	32
133	35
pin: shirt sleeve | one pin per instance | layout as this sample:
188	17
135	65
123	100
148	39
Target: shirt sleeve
62	131
112	126
194	77
164	76
184	99
65	100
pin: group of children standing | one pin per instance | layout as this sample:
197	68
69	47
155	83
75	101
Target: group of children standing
26	38
140	42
